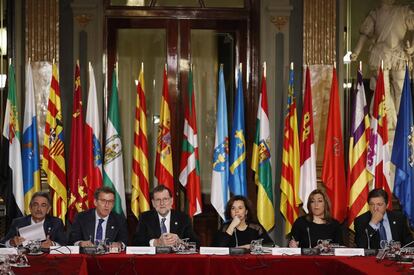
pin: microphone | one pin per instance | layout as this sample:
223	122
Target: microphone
369	251
369	241
309	238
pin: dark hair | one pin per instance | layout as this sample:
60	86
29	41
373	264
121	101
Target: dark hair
41	194
103	189
250	215
327	209
160	188
376	193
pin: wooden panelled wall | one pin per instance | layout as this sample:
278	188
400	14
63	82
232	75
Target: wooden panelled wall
319	32
42	30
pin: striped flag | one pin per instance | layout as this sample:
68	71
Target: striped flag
78	189
333	169
113	163
307	146
237	179
190	166
220	174
140	200
289	184
54	149
261	164
30	148
358	175
163	160
11	135
378	152
93	148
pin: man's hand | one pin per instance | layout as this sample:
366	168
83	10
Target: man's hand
376	217
47	243
168	239
16	241
86	244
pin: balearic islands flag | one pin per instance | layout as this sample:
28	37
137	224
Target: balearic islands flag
53	162
220	174
289	183
140	177
30	148
113	162
333	169
261	162
190	166
307	146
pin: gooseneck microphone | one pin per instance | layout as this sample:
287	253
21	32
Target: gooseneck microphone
309	238
369	241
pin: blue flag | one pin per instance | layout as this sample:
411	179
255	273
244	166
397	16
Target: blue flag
237	179
403	152
220	175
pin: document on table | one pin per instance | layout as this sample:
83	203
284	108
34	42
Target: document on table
32	232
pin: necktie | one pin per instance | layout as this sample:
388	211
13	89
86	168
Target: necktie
99	230
382	233
163	227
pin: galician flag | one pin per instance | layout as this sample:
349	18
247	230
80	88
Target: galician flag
261	164
113	162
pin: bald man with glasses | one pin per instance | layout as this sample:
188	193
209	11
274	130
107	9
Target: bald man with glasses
163	226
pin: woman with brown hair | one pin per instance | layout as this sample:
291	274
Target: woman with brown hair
318	224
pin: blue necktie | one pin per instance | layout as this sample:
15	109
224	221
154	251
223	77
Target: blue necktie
163	227
99	230
382	233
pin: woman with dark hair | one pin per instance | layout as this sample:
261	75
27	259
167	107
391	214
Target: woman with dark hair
318	224
241	227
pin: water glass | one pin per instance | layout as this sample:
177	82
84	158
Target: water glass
256	246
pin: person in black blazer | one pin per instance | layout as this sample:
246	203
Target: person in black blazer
39	209
174	224
367	225
100	223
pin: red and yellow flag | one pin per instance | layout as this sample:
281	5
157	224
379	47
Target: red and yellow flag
163	160
54	149
140	183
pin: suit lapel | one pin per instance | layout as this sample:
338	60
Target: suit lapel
393	225
173	223
90	226
155	221
110	228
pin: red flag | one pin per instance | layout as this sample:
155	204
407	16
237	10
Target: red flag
77	185
163	160
333	169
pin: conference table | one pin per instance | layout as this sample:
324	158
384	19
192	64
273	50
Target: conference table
208	264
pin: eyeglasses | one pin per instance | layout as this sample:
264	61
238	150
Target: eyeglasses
380	204
163	200
106	201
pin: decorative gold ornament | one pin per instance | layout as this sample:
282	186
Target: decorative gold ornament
83	19
279	21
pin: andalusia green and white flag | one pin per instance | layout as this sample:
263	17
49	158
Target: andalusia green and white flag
261	162
113	161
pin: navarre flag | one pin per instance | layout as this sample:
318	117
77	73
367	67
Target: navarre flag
190	165
289	184
113	161
237	179
78	189
261	164
53	162
333	169
378	151
358	175
163	159
220	174
307	146
403	152
12	180
140	200
30	148
93	148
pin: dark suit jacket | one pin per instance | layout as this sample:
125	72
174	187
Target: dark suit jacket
148	227
53	227
83	228
398	224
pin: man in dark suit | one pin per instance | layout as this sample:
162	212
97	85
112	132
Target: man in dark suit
163	226
379	224
100	223
39	209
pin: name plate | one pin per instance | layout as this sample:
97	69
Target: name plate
70	249
140	250
207	250
8	251
349	252
281	251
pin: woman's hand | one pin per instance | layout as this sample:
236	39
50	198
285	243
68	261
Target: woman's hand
234	223
293	243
